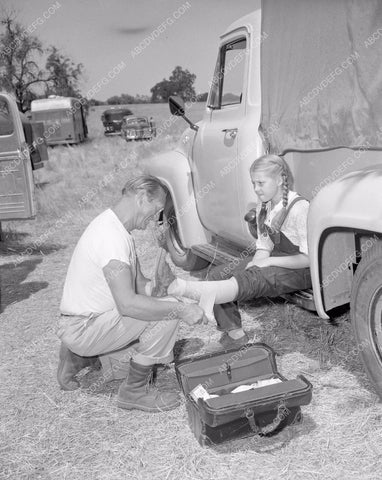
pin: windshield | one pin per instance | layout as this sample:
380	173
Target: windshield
60	116
137	121
117	115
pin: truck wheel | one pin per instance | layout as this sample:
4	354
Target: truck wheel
366	312
181	256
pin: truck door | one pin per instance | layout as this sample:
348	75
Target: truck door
16	178
215	152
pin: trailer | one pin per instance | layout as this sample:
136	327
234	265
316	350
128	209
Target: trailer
63	117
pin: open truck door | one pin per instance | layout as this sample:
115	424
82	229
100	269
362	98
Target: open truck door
16	177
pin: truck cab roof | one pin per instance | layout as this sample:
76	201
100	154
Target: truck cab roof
247	21
52	103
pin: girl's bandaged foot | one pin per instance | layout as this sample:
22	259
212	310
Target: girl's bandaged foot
207	302
194	290
177	288
221	291
205	295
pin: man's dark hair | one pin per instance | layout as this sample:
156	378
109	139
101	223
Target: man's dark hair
151	185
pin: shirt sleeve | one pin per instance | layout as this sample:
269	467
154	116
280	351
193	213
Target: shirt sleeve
299	222
112	246
264	242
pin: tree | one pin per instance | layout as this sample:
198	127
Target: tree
122	99
114	100
162	91
181	82
125	99
95	103
63	74
202	97
19	71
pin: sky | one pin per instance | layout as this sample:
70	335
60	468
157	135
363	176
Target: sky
102	34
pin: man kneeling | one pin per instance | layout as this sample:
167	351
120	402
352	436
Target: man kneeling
106	303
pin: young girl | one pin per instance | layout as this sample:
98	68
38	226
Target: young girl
280	264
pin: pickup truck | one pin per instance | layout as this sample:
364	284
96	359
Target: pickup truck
300	79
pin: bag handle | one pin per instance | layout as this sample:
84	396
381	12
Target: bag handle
282	413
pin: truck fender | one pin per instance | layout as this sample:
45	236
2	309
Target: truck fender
173	170
350	205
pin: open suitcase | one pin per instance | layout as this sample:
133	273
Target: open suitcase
263	410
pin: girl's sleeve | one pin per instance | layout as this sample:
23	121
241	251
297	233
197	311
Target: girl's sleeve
263	242
301	222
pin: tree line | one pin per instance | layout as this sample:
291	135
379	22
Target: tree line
21	73
181	83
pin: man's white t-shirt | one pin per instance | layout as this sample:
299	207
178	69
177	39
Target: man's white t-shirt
86	290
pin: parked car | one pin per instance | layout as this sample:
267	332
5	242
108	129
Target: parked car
112	119
138	128
326	124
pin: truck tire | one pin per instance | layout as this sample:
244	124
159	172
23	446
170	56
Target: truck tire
181	256
366	312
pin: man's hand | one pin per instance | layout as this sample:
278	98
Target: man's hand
192	314
261	259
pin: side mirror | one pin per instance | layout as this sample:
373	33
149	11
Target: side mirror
176	106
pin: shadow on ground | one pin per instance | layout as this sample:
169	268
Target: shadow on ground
13	287
187	347
272	444
14	243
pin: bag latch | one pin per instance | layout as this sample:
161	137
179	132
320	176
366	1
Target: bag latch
228	370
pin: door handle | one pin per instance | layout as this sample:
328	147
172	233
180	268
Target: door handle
232	131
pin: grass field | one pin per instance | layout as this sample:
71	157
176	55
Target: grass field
50	434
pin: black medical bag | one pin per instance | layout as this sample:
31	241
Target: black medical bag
263	410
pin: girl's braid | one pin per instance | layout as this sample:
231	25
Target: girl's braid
284	177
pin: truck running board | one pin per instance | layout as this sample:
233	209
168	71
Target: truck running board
220	253
216	253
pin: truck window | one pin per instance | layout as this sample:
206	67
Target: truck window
6	124
227	84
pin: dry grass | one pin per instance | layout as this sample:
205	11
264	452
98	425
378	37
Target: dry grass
50	434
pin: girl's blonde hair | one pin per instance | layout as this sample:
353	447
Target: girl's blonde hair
275	166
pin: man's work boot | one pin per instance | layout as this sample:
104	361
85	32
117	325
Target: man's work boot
134	392
69	365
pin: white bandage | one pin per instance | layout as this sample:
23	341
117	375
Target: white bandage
148	288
